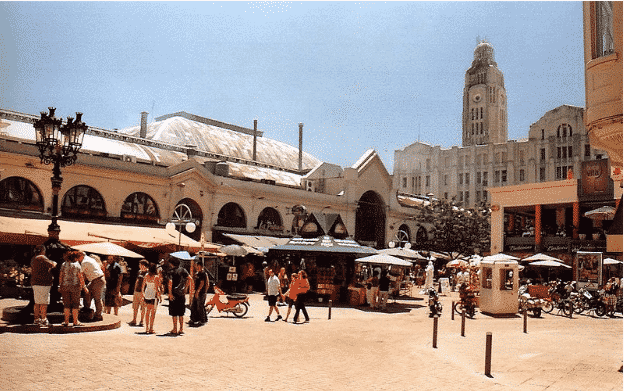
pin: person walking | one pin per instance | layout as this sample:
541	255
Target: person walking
283	279
273	292
373	293
179	281
112	297
302	286
71	283
137	298
290	295
41	280
384	289
96	284
151	290
198	307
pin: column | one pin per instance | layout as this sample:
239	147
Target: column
538	228
576	218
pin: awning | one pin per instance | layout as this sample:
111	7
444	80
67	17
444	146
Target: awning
260	244
35	231
325	244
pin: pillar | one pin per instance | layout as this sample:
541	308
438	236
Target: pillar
512	222
538	228
576	219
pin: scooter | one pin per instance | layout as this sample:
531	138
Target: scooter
435	307
236	304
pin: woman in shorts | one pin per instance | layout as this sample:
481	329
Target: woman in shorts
152	286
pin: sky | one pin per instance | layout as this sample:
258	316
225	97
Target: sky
359	75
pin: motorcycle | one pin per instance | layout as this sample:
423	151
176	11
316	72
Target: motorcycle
468	301
435	307
593	302
235	304
530	303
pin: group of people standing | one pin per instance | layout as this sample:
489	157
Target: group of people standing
378	289
291	292
78	274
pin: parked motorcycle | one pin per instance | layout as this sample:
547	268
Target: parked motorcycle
530	303
235	304
593	302
435	307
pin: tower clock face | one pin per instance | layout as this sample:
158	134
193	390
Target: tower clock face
476	98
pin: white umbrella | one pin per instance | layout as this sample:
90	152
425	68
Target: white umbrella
402	252
384	259
604	212
107	248
549	263
500	257
234	250
541	257
611	261
183	255
457	263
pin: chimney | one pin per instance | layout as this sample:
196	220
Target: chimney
255	139
300	146
143	133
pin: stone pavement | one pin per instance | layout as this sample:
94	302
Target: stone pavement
357	349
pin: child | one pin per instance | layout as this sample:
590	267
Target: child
137	300
151	295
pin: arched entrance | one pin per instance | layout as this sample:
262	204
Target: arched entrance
270	219
403	236
370	220
232	215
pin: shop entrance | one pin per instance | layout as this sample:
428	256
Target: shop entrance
370	220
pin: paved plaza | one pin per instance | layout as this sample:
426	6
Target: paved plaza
357	349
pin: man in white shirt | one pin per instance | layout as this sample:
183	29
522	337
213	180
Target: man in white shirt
273	291
96	284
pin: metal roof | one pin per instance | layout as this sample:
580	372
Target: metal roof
325	244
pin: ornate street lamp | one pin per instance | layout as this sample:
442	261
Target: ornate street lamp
58	144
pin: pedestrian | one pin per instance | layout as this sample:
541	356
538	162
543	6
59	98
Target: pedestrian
384	289
198	305
112	297
41	280
283	279
273	292
302	286
71	283
96	284
151	290
373	292
265	275
290	294
137	297
179	281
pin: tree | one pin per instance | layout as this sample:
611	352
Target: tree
457	229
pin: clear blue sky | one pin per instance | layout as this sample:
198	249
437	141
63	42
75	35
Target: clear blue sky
358	75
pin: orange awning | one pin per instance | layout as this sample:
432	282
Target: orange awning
35	231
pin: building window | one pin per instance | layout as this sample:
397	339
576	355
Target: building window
558	152
604	28
467	198
404	183
496	176
479	177
460	179
564	152
485	195
427	181
445	195
485	178
461	196
467	178
445	180
569	151
139	206
521	175
428	164
542	174
558	173
504	176
478	196
543	154
542	134
587	150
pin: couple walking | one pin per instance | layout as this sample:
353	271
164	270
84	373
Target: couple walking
299	286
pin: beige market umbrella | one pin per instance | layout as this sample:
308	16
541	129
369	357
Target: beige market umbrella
107	248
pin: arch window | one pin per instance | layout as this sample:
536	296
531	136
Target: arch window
270	219
140	206
232	215
403	236
20	193
83	201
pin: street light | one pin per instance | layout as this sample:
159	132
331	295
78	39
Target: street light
182	218
58	144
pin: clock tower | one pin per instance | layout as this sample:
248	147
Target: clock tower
484	118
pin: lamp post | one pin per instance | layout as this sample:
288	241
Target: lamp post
58	144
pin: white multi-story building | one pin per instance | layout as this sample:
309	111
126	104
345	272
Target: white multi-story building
556	145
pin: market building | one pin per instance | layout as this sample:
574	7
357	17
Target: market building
556	144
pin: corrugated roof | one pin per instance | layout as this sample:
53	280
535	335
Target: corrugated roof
204	137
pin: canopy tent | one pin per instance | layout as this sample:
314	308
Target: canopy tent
107	248
384	259
549	263
457	263
324	244
604	212
611	261
182	255
35	231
